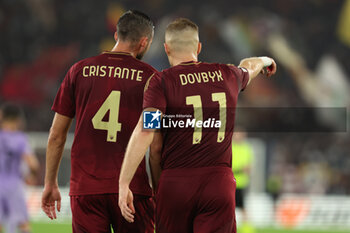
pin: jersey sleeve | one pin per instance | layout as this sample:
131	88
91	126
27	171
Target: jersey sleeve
154	96
241	74
64	102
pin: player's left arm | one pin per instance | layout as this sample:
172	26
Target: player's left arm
139	141
55	146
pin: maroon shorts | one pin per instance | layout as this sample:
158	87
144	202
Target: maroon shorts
196	200
98	213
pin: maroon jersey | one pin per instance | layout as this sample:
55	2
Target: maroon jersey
104	94
209	93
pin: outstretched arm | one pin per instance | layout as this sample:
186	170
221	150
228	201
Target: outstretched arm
55	146
139	141
256	65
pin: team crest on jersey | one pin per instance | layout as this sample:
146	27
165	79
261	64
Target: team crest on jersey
151	119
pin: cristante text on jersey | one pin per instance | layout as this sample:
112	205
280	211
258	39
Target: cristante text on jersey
112	72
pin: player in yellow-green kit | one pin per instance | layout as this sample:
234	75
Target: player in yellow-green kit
242	160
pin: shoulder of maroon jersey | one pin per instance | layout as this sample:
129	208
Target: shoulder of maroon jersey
216	64
152	69
167	70
85	61
222	65
187	66
182	66
173	69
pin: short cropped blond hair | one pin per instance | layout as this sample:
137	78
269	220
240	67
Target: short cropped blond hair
182	35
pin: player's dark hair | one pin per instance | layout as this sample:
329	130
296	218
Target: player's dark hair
11	111
181	24
133	25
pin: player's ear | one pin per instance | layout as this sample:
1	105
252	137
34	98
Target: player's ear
199	49
143	43
116	36
167	51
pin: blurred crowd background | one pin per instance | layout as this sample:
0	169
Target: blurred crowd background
309	39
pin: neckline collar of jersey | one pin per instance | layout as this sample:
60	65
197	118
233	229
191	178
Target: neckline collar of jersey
190	63
117	53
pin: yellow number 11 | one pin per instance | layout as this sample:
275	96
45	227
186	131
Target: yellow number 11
196	101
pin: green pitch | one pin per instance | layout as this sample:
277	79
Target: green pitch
38	227
45	227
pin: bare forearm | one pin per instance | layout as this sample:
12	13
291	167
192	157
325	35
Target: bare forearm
254	65
54	153
136	149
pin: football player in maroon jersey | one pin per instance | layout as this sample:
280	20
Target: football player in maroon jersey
104	94
196	187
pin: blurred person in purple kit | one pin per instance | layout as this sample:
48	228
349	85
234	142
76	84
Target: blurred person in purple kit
14	148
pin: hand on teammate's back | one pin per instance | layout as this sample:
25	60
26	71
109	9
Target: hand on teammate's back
50	196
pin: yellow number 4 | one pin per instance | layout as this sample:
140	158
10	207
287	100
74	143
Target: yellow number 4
112	126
